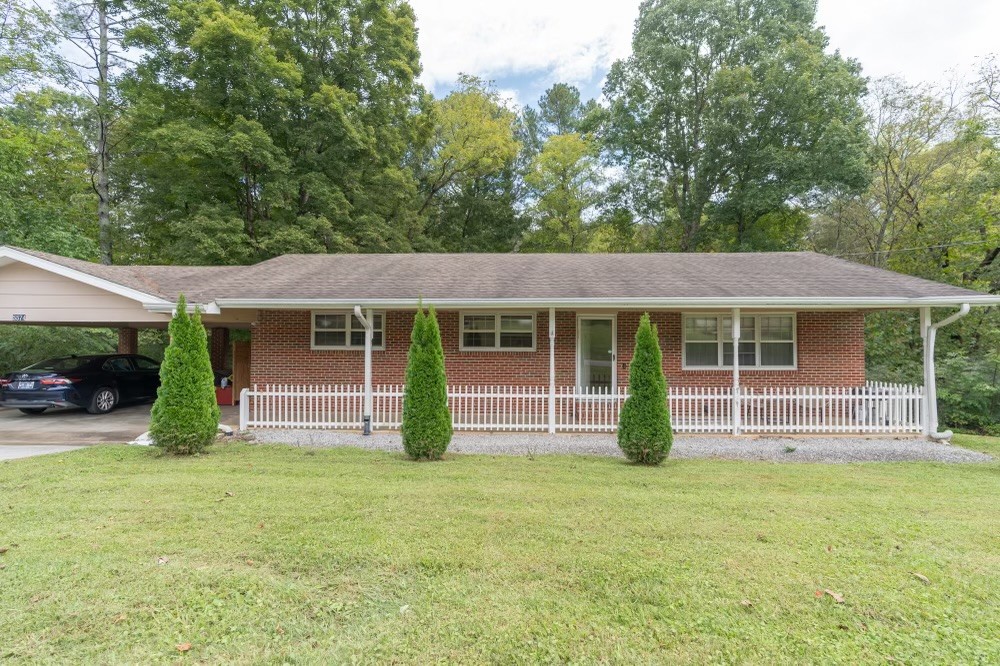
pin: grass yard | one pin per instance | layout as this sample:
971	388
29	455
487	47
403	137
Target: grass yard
273	554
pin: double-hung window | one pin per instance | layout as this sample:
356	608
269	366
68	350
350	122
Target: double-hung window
766	341
494	331
340	329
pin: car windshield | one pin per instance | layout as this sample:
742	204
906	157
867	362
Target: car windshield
62	364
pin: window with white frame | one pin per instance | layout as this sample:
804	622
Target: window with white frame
497	331
340	329
766	341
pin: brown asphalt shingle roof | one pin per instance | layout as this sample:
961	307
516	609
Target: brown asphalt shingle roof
166	282
804	275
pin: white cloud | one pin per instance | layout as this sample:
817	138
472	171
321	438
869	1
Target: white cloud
576	40
569	40
918	39
510	98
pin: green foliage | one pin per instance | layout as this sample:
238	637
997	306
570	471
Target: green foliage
968	363
930	212
29	47
426	427
466	171
302	148
644	431
21	346
726	111
479	215
185	416
565	178
46	195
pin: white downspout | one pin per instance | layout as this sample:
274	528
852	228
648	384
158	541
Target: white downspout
930	378
737	403
552	371
366	321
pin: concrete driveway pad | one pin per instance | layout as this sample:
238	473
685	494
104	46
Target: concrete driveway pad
73	426
76	427
14	451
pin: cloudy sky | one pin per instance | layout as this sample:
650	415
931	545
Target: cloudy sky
526	45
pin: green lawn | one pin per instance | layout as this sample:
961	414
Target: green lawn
273	554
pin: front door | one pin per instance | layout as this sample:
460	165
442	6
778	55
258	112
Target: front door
596	352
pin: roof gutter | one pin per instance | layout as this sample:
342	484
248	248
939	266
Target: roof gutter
623	303
170	308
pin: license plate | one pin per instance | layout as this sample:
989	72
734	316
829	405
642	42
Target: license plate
24	386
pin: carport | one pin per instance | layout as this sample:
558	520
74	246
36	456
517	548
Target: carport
42	289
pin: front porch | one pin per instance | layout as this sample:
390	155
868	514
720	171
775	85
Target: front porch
872	409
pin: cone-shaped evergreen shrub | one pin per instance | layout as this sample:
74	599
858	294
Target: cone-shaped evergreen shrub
185	416
644	431
426	424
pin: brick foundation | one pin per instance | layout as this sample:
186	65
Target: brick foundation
831	352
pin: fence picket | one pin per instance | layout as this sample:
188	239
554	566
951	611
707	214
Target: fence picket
877	407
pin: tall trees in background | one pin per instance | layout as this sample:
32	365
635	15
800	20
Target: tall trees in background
566	178
93	57
301	148
46	195
467	176
931	209
916	133
45	192
728	115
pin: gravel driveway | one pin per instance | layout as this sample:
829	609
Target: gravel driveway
774	449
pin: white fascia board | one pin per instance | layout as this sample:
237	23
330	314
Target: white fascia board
80	276
621	303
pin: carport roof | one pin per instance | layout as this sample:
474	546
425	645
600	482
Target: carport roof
163	282
641	280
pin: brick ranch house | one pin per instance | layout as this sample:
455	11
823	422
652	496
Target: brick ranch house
531	341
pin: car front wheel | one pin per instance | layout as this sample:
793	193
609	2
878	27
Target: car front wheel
103	401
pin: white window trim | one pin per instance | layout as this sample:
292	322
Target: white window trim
345	347
496	329
757	342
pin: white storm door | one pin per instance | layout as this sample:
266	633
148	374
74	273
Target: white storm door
596	352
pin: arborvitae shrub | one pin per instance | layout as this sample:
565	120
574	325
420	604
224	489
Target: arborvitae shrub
185	416
426	427
644	431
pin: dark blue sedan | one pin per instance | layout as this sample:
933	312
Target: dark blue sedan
97	383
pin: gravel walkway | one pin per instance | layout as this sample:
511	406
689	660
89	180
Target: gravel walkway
774	449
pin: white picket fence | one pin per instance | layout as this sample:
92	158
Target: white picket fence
875	408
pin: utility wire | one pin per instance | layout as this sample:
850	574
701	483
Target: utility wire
912	249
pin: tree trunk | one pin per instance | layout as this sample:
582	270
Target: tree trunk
103	149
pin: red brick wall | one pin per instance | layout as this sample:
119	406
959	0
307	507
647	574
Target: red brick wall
128	341
218	348
830	353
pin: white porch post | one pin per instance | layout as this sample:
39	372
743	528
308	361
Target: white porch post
930	376
552	370
366	321
737	402
929	379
